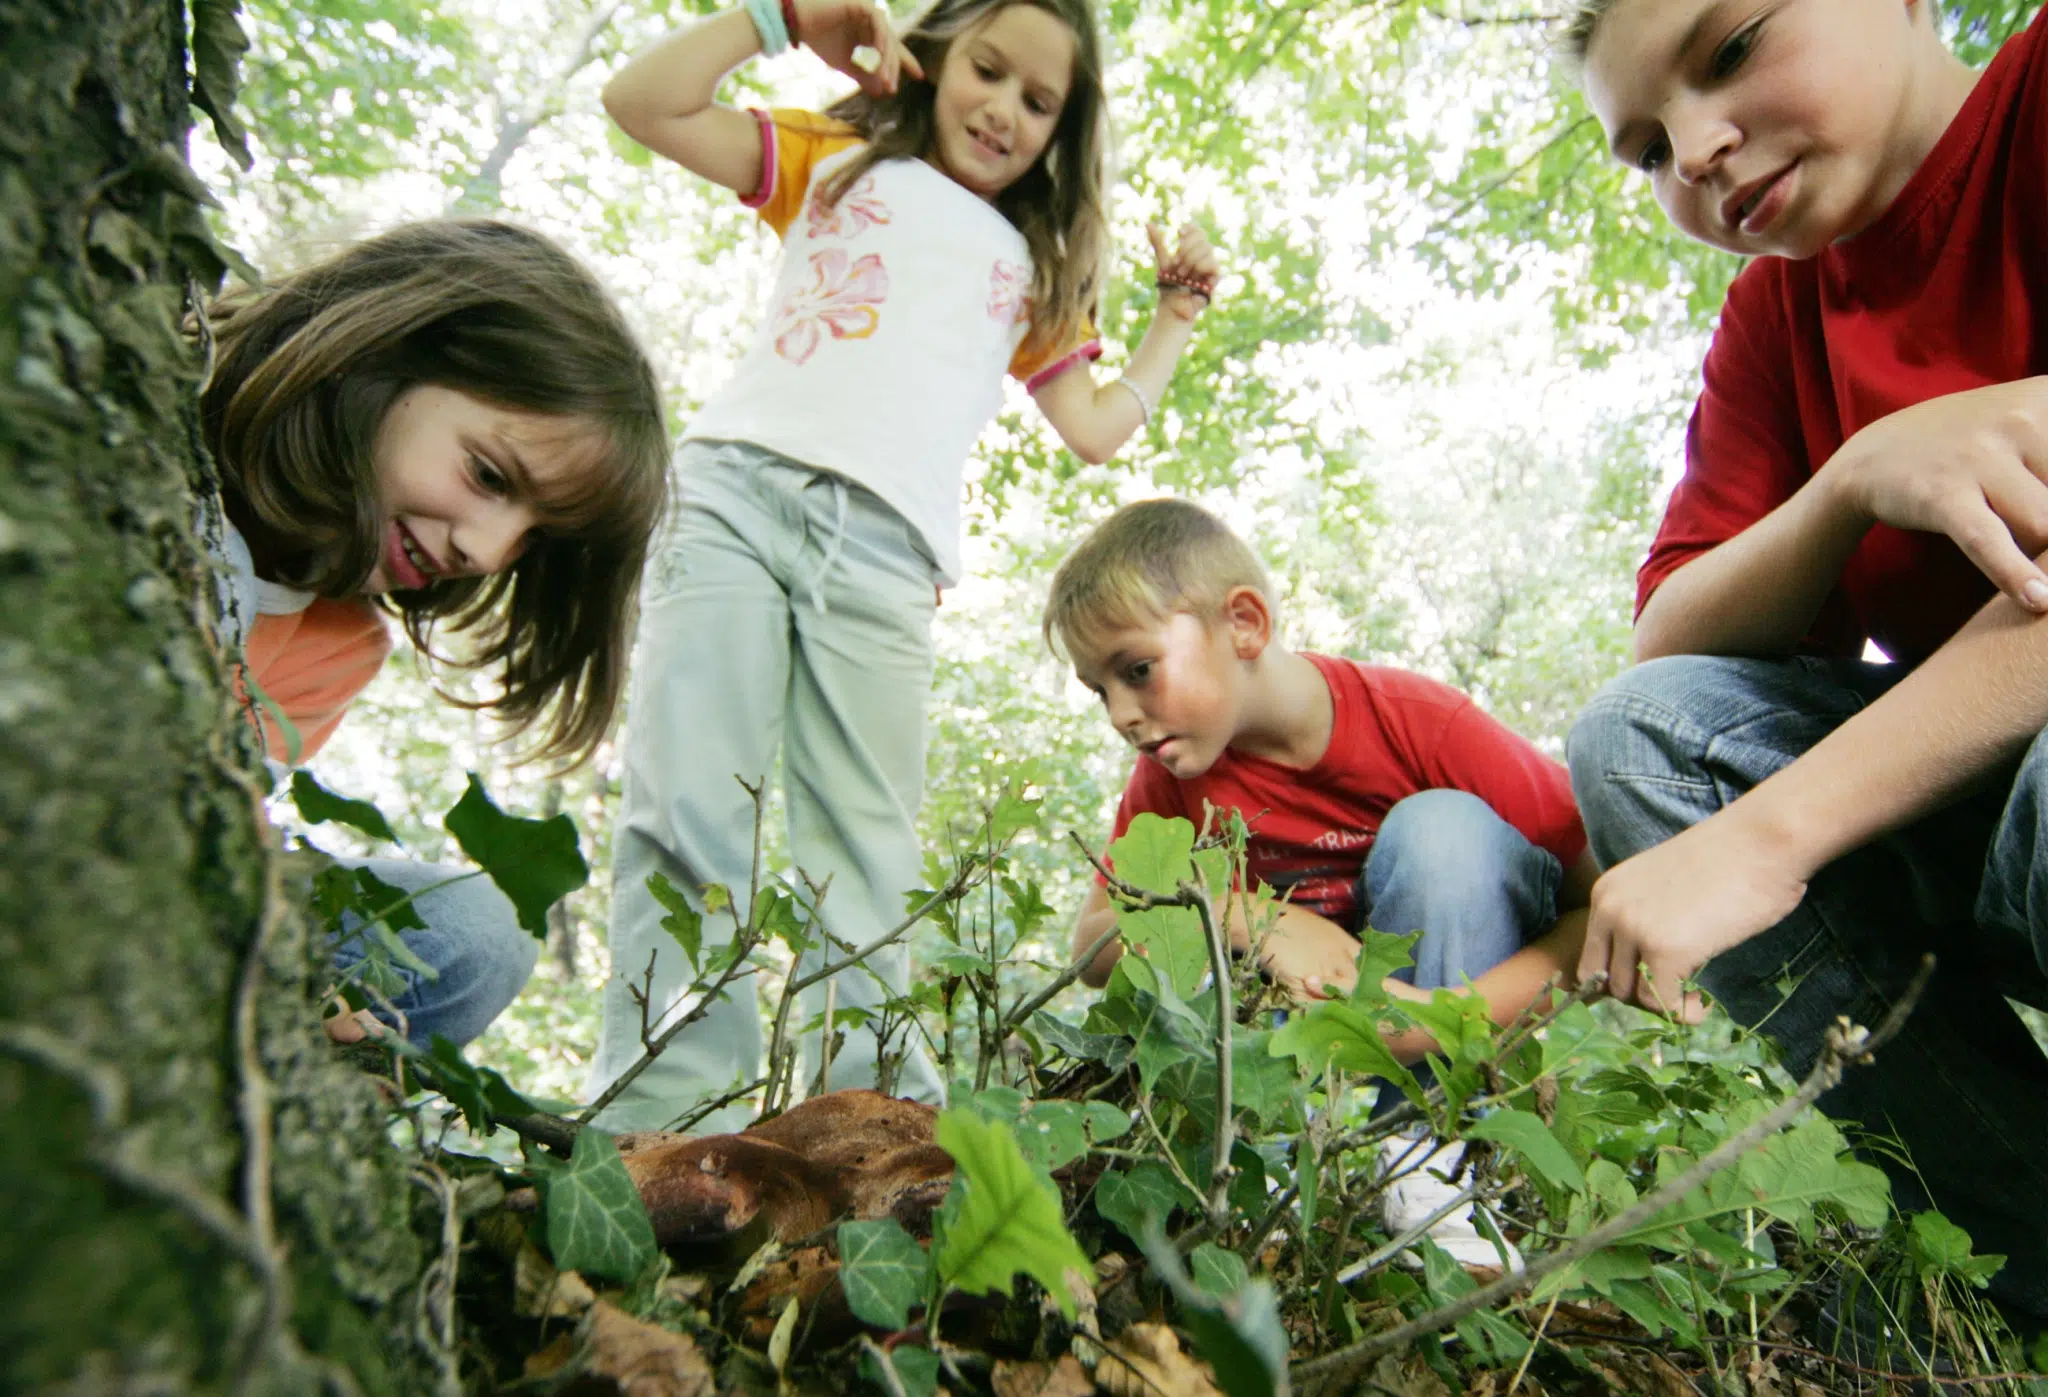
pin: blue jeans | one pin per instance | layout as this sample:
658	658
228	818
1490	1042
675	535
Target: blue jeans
1964	1087
473	938
1446	865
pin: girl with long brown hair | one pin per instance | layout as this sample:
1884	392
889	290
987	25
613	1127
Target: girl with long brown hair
450	423
941	226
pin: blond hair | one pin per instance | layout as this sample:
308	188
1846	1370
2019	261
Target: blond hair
1146	561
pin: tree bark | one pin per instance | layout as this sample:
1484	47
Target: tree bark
198	1197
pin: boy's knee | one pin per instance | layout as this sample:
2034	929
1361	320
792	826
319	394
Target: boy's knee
1633	741
1443	828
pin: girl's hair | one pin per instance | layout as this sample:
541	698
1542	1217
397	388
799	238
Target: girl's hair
1147	561
1057	204
1580	28
306	370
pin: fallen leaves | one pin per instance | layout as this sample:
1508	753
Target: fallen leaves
614	1353
1146	1361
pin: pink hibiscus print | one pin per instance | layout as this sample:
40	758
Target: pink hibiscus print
1008	283
857	211
842	299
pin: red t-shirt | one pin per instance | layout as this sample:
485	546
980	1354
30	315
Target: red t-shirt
1394	734
1947	291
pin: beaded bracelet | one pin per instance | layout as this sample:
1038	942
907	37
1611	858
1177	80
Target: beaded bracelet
768	23
1203	286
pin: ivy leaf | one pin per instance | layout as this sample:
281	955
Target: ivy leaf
534	862
1217	1271
1527	1135
1146	1191
1240	1334
1001	1216
595	1220
480	1093
1111	1049
882	1269
218	44
683	921
1380	956
394	908
1940	1247
317	805
916	1369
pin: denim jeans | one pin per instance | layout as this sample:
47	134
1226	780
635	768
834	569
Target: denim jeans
472	937
1964	1087
785	612
1446	865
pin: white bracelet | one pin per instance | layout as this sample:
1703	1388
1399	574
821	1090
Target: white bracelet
1144	403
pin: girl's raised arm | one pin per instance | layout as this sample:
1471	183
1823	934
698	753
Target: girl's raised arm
663	98
1095	420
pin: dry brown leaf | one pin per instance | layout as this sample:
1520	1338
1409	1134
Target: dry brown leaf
1066	1378
625	1357
1146	1361
539	1289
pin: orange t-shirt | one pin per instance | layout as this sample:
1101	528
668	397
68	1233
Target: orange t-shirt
312	664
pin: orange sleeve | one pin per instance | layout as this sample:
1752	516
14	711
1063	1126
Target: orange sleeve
793	141
1038	363
312	664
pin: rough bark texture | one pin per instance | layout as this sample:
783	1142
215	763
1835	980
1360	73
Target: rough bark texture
165	1232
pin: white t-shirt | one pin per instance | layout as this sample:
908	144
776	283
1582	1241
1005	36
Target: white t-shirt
895	314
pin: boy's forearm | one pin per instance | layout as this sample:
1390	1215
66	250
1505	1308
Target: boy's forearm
1971	706
1509	988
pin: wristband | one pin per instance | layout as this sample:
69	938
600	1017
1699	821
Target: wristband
767	17
789	23
1144	403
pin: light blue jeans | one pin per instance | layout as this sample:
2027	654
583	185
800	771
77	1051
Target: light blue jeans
1446	865
1964	1087
472	938
784	610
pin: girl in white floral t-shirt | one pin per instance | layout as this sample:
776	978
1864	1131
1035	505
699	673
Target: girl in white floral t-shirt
941	227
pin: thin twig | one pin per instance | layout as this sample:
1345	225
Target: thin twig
1845	1043
1073	972
683	1123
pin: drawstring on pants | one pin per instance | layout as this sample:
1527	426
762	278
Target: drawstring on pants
833	546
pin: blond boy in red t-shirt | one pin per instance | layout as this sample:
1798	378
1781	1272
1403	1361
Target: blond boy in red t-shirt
1370	793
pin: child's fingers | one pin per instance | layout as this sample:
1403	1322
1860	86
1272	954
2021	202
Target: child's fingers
1158	240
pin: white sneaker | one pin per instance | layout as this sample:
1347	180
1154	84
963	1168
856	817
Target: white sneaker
1425	1166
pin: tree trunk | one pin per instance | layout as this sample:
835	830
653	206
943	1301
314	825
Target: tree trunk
199	1198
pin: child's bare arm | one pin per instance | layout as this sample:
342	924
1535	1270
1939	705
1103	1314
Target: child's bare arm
1970	465
1508	988
663	98
1096	419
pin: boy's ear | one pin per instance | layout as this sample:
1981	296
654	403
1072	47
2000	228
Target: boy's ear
1250	618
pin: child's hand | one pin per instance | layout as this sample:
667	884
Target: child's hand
1673	908
1310	956
1970	465
834	29
1186	275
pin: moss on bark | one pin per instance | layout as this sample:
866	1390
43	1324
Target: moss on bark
137	869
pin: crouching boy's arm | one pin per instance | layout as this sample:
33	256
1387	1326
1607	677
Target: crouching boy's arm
1303	951
1508	988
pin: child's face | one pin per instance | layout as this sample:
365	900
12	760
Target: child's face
1171	687
458	478
1766	126
999	97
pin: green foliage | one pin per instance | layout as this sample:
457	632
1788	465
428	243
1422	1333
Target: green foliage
882	1270
480	1093
317	805
218	44
593	1215
1940	1248
1000	1217
533	862
682	922
1240	1333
